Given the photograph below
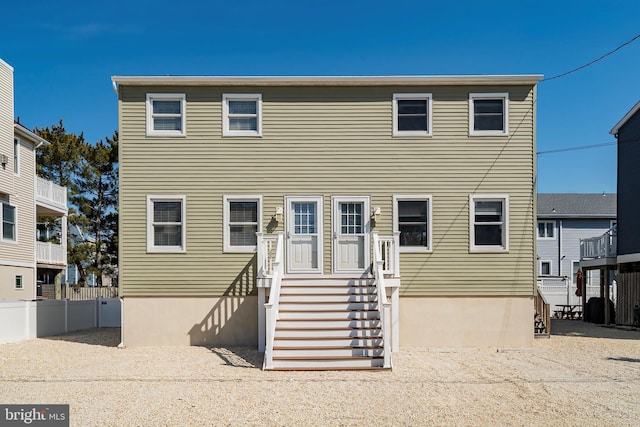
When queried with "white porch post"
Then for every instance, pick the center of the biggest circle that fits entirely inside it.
(261, 318)
(395, 319)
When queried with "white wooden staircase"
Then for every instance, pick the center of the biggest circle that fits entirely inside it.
(328, 324)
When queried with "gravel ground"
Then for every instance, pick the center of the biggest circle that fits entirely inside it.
(583, 375)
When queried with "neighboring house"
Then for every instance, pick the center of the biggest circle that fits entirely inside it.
(563, 220)
(318, 164)
(25, 197)
(621, 250)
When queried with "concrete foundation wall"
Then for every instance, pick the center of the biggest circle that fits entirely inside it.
(8, 291)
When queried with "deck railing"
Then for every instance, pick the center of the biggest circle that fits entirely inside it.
(50, 193)
(51, 253)
(390, 258)
(276, 271)
(383, 303)
(266, 254)
(544, 311)
(603, 246)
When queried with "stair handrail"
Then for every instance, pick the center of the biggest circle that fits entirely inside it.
(385, 313)
(543, 309)
(272, 307)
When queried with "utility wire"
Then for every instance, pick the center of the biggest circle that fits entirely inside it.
(592, 62)
(582, 147)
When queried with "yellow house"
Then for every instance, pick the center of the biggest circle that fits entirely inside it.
(327, 220)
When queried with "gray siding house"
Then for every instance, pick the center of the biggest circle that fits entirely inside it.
(563, 221)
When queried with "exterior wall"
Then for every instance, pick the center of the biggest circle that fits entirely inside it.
(326, 141)
(6, 124)
(502, 322)
(8, 279)
(190, 321)
(628, 178)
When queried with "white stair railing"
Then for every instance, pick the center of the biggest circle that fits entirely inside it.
(385, 312)
(272, 307)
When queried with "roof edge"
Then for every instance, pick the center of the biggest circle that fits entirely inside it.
(515, 79)
(27, 133)
(625, 119)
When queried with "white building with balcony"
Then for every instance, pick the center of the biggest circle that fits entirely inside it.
(24, 199)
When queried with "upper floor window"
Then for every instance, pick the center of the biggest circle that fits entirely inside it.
(16, 156)
(412, 218)
(489, 223)
(488, 114)
(546, 229)
(242, 219)
(241, 114)
(412, 114)
(166, 224)
(8, 222)
(166, 114)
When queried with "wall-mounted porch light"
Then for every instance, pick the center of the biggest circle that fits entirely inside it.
(278, 214)
(376, 213)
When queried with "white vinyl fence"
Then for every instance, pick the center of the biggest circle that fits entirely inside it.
(23, 320)
(559, 292)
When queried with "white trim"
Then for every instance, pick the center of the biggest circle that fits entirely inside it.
(504, 198)
(11, 263)
(151, 248)
(504, 96)
(183, 114)
(546, 221)
(419, 198)
(622, 259)
(511, 79)
(319, 231)
(335, 224)
(540, 274)
(428, 98)
(625, 119)
(225, 221)
(226, 97)
(572, 263)
(17, 143)
(2, 239)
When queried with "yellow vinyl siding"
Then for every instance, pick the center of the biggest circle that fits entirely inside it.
(329, 141)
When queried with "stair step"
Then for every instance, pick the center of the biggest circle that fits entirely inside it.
(305, 363)
(328, 352)
(296, 333)
(332, 290)
(321, 315)
(324, 298)
(312, 342)
(335, 306)
(328, 323)
(327, 282)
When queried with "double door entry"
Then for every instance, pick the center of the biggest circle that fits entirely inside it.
(306, 238)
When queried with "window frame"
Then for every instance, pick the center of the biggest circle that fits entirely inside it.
(151, 247)
(150, 116)
(226, 97)
(504, 96)
(226, 199)
(428, 98)
(543, 261)
(546, 222)
(15, 223)
(396, 220)
(473, 247)
(16, 155)
(20, 278)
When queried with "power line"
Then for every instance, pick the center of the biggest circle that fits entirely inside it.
(582, 147)
(592, 62)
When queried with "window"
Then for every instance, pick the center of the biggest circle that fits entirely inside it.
(19, 284)
(546, 229)
(488, 114)
(544, 269)
(16, 156)
(242, 115)
(412, 218)
(412, 114)
(8, 222)
(242, 220)
(166, 114)
(489, 223)
(575, 266)
(166, 224)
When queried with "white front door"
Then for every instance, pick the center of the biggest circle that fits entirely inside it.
(350, 234)
(304, 235)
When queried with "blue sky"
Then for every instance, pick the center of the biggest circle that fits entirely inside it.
(65, 52)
